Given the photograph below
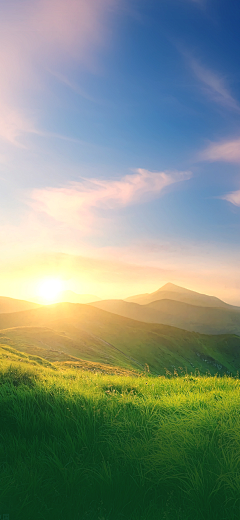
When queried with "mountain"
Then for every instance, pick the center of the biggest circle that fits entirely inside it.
(63, 331)
(13, 305)
(173, 292)
(72, 297)
(206, 320)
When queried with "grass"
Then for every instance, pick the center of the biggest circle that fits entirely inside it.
(87, 445)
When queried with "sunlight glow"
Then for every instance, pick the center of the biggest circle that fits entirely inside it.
(49, 289)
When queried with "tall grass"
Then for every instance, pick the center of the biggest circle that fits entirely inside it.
(79, 445)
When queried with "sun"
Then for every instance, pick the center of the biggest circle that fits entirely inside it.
(49, 289)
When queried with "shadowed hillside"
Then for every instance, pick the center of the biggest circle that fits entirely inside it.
(83, 331)
(207, 320)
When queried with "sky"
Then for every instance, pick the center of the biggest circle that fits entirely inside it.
(120, 146)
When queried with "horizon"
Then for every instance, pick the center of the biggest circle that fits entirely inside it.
(50, 297)
(119, 147)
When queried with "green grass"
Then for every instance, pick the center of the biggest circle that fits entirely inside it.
(83, 445)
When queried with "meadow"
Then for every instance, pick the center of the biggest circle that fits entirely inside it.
(95, 443)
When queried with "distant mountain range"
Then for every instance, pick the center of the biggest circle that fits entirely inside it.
(13, 305)
(169, 305)
(170, 291)
(207, 320)
(167, 329)
(179, 307)
(68, 331)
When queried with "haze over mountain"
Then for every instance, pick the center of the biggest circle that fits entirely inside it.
(13, 305)
(72, 297)
(170, 291)
(178, 307)
(66, 330)
(206, 320)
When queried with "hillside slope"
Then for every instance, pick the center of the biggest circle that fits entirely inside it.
(85, 332)
(13, 305)
(206, 320)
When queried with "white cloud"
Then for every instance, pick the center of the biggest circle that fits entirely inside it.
(213, 85)
(226, 151)
(76, 203)
(233, 197)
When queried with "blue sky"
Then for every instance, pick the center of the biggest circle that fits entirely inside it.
(120, 145)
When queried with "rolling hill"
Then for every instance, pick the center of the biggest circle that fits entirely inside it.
(85, 332)
(171, 291)
(13, 305)
(206, 320)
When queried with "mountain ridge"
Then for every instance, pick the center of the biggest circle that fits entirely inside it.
(86, 332)
(205, 320)
(8, 304)
(175, 292)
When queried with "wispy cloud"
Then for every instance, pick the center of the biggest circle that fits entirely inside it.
(76, 203)
(72, 86)
(13, 124)
(227, 151)
(233, 197)
(35, 37)
(213, 85)
(224, 151)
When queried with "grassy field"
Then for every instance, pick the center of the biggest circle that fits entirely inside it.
(81, 444)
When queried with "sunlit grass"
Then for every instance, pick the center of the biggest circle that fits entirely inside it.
(77, 444)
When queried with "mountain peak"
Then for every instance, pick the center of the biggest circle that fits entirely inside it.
(169, 286)
(171, 291)
(172, 287)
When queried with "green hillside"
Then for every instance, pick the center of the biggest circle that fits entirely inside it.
(207, 320)
(86, 332)
(85, 445)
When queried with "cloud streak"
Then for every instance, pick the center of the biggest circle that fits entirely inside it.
(36, 37)
(213, 85)
(226, 151)
(13, 124)
(77, 204)
(233, 197)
